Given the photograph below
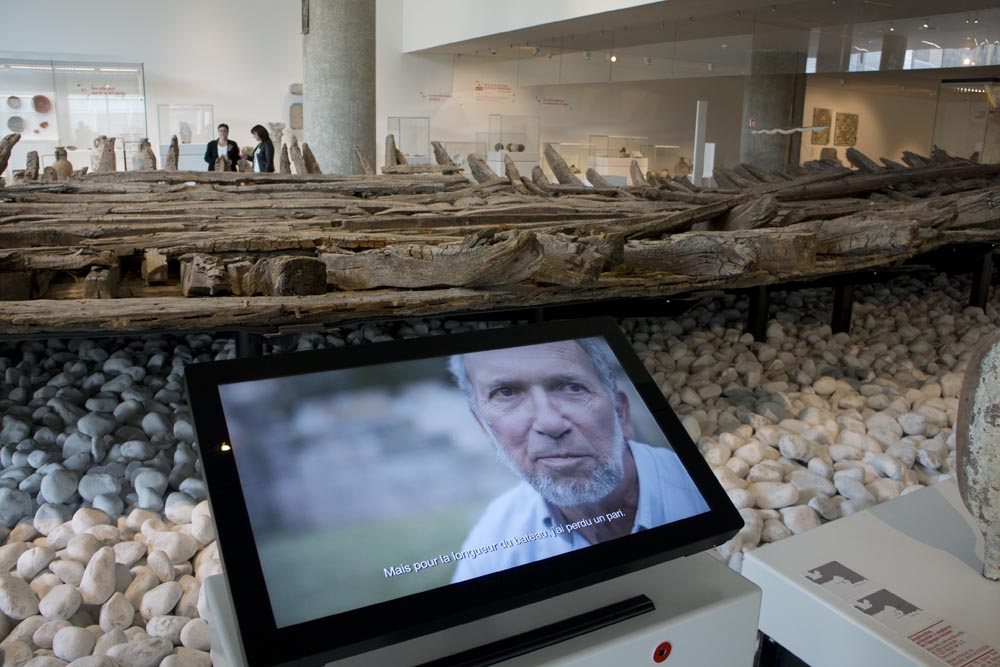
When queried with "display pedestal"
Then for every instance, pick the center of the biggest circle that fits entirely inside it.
(706, 612)
(616, 169)
(523, 161)
(898, 584)
(191, 157)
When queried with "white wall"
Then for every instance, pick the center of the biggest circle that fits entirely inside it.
(238, 55)
(435, 22)
(888, 122)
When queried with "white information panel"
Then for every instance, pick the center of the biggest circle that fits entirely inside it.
(898, 584)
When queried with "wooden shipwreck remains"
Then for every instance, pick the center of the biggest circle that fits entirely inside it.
(160, 250)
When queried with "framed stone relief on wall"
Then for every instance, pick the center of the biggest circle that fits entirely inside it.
(846, 133)
(821, 117)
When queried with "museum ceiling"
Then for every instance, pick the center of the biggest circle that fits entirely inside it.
(717, 37)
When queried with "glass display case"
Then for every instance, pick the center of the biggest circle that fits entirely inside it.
(192, 123)
(194, 126)
(575, 154)
(517, 136)
(666, 157)
(967, 123)
(611, 156)
(60, 103)
(413, 137)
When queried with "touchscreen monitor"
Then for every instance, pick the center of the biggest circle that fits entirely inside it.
(465, 474)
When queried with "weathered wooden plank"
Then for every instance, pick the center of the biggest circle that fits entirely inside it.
(480, 170)
(366, 167)
(596, 179)
(849, 236)
(514, 176)
(724, 253)
(204, 275)
(675, 222)
(154, 266)
(635, 174)
(6, 145)
(421, 169)
(441, 154)
(284, 162)
(277, 276)
(312, 165)
(101, 283)
(173, 155)
(559, 167)
(479, 261)
(391, 154)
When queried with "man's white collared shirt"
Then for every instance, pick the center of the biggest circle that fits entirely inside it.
(666, 494)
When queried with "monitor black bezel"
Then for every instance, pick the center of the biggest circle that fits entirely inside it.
(349, 633)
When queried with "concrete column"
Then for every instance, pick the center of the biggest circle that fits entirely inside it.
(893, 52)
(833, 53)
(774, 95)
(338, 65)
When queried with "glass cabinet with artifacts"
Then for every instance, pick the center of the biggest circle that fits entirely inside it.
(194, 127)
(967, 123)
(611, 156)
(516, 136)
(68, 104)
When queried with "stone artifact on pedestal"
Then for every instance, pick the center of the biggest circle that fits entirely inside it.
(296, 154)
(222, 163)
(295, 116)
(185, 132)
(103, 158)
(977, 445)
(276, 130)
(143, 159)
(173, 155)
(682, 168)
(31, 166)
(63, 167)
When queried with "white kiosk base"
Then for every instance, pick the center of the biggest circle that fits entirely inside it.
(705, 611)
(898, 584)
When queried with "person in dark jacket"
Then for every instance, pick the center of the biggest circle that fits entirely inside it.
(263, 154)
(223, 146)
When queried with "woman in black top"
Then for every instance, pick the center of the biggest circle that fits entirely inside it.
(232, 150)
(263, 154)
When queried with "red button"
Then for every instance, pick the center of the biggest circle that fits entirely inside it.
(662, 652)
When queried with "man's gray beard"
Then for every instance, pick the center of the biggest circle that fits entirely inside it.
(604, 479)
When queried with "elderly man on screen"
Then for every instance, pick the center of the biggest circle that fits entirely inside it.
(555, 415)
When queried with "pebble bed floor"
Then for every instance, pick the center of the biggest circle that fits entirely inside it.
(106, 536)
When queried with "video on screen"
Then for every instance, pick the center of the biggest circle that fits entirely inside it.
(369, 484)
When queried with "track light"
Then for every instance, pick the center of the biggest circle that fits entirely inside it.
(535, 51)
